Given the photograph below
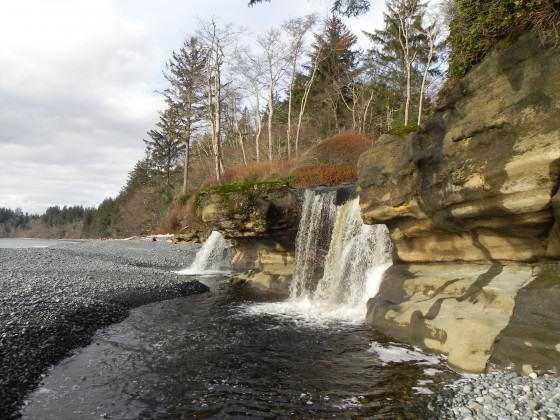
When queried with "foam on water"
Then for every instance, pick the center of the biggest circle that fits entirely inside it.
(213, 258)
(396, 354)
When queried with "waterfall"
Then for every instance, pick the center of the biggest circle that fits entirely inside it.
(358, 256)
(212, 258)
(334, 282)
(313, 238)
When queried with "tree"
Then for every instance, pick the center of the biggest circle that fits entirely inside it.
(163, 147)
(216, 41)
(303, 104)
(431, 35)
(250, 69)
(398, 49)
(296, 29)
(344, 7)
(273, 52)
(336, 65)
(185, 72)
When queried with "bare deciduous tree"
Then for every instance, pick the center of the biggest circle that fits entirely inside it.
(406, 13)
(306, 92)
(249, 68)
(216, 41)
(273, 51)
(431, 34)
(296, 29)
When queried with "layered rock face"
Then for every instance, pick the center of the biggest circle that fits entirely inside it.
(261, 220)
(471, 201)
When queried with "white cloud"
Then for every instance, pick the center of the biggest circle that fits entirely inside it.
(78, 82)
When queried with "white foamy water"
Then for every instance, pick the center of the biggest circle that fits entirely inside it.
(212, 258)
(396, 354)
(357, 257)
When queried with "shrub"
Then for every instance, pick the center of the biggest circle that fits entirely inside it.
(327, 175)
(178, 217)
(403, 130)
(254, 172)
(477, 25)
(342, 149)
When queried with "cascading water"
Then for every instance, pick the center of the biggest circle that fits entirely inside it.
(358, 256)
(212, 258)
(312, 243)
(352, 268)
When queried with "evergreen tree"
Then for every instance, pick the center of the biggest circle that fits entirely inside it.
(163, 146)
(185, 96)
(336, 68)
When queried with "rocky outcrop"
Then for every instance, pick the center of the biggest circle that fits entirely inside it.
(264, 262)
(471, 202)
(261, 220)
(477, 181)
(457, 309)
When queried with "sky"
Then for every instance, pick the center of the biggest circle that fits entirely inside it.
(79, 82)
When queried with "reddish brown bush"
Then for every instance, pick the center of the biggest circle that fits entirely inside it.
(257, 171)
(331, 175)
(172, 220)
(178, 217)
(342, 149)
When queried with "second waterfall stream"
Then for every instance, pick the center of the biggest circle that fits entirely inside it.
(339, 264)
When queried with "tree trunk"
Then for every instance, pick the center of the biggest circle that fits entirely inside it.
(408, 92)
(425, 78)
(290, 98)
(259, 125)
(270, 114)
(304, 101)
(186, 165)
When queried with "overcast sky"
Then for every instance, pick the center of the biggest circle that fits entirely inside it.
(78, 81)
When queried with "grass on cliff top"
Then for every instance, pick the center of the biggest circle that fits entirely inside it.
(403, 130)
(246, 186)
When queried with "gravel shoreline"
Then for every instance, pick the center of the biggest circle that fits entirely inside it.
(52, 300)
(501, 395)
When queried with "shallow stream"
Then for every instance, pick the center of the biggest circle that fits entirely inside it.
(221, 354)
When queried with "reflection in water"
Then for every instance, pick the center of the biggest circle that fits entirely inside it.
(204, 356)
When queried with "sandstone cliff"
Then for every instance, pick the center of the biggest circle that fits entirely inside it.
(471, 201)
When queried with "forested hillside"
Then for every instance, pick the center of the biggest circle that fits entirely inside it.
(249, 107)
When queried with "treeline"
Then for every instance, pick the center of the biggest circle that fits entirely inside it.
(11, 221)
(229, 104)
(71, 222)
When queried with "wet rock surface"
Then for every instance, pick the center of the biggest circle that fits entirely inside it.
(501, 395)
(52, 300)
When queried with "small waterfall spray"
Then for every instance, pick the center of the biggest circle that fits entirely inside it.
(212, 258)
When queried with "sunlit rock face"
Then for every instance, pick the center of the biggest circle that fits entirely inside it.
(471, 201)
(477, 181)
